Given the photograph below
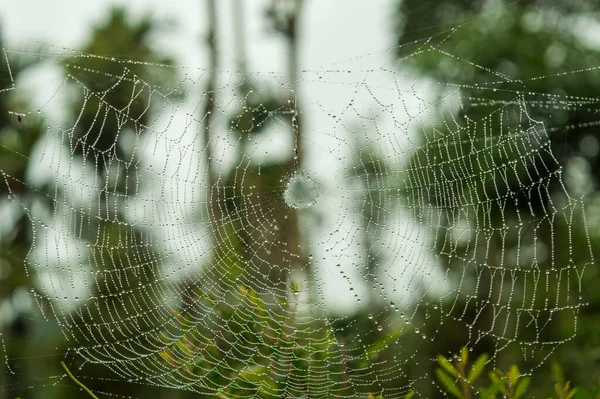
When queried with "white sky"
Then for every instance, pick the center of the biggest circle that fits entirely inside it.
(335, 35)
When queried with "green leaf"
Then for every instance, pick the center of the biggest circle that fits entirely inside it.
(499, 380)
(521, 387)
(558, 373)
(558, 389)
(464, 356)
(449, 383)
(381, 344)
(295, 286)
(477, 368)
(253, 374)
(513, 375)
(184, 348)
(495, 378)
(489, 392)
(446, 365)
(410, 394)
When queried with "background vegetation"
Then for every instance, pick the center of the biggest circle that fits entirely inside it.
(518, 41)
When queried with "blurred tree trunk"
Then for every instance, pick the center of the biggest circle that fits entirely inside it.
(286, 22)
(253, 217)
(207, 118)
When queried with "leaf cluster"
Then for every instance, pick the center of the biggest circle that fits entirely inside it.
(462, 381)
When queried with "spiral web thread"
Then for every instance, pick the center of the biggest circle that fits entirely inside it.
(163, 275)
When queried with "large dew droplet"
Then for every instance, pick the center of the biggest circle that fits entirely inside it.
(301, 191)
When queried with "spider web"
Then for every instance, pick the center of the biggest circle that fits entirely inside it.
(315, 259)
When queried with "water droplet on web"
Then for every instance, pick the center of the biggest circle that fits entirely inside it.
(301, 191)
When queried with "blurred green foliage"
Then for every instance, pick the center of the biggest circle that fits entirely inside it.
(20, 130)
(455, 379)
(260, 349)
(507, 59)
(125, 80)
(512, 384)
(516, 85)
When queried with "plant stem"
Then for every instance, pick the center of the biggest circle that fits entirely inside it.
(71, 376)
(464, 382)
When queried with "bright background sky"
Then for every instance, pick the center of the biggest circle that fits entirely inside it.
(334, 36)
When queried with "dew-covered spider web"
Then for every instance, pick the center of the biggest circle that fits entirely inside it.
(325, 236)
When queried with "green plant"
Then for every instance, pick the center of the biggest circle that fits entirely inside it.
(462, 384)
(512, 384)
(564, 391)
(258, 347)
(71, 376)
(563, 388)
